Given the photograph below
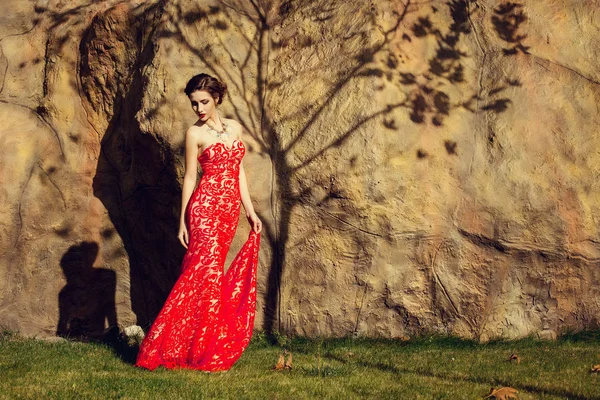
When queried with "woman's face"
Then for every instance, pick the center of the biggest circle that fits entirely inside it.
(203, 104)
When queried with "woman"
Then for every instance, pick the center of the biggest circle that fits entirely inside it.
(206, 322)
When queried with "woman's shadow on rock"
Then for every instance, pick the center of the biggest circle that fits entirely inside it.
(87, 310)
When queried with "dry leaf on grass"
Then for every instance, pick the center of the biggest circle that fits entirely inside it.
(514, 357)
(503, 393)
(595, 368)
(282, 363)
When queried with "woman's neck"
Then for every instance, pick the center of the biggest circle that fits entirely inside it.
(215, 121)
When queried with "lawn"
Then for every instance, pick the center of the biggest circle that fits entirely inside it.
(421, 368)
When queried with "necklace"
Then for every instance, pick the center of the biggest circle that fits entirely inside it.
(222, 134)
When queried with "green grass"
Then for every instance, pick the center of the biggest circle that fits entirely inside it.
(422, 368)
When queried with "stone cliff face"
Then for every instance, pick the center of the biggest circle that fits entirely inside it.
(419, 166)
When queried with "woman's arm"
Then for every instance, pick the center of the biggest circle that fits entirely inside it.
(189, 179)
(245, 194)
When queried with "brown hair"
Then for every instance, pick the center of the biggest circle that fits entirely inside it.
(216, 88)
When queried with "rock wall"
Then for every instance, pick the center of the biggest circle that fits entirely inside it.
(419, 166)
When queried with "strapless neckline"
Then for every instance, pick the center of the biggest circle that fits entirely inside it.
(216, 143)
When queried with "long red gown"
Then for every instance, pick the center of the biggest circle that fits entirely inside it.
(207, 320)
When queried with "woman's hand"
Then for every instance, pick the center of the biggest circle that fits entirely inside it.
(254, 221)
(183, 235)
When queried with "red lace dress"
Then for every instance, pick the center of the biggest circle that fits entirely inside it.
(207, 320)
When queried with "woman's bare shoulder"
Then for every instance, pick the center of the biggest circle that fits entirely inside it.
(196, 132)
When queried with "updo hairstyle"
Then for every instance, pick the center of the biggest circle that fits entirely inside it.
(216, 88)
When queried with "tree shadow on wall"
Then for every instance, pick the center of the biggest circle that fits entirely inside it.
(423, 93)
(87, 302)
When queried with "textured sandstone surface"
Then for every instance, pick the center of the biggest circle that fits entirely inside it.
(419, 166)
